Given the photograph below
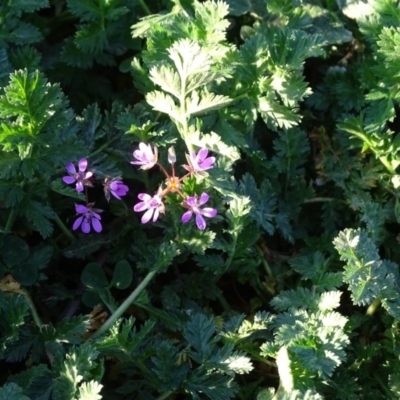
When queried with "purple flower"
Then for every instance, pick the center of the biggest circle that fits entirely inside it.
(116, 187)
(153, 205)
(88, 218)
(81, 177)
(193, 204)
(147, 159)
(198, 163)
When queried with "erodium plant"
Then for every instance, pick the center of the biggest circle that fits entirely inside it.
(199, 199)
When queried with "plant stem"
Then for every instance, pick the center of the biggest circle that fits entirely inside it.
(224, 303)
(124, 306)
(373, 307)
(34, 313)
(10, 221)
(104, 146)
(264, 261)
(66, 231)
(144, 7)
(164, 396)
(384, 387)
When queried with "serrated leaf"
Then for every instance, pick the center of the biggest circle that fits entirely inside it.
(90, 391)
(39, 215)
(200, 332)
(84, 246)
(240, 7)
(31, 100)
(164, 103)
(165, 77)
(60, 187)
(12, 391)
(199, 103)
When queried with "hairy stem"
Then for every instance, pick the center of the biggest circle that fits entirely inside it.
(373, 307)
(62, 226)
(164, 396)
(144, 7)
(10, 221)
(124, 306)
(34, 313)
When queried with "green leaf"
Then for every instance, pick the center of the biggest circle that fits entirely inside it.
(12, 391)
(14, 251)
(84, 246)
(27, 6)
(93, 276)
(39, 215)
(122, 338)
(240, 7)
(122, 275)
(201, 102)
(200, 332)
(31, 100)
(60, 187)
(364, 271)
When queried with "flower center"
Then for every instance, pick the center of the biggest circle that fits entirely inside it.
(173, 184)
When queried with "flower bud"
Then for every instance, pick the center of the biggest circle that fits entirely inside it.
(171, 155)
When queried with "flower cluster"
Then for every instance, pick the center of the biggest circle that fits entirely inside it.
(89, 217)
(199, 163)
(146, 157)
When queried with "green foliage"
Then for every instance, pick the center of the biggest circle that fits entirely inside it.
(279, 296)
(368, 276)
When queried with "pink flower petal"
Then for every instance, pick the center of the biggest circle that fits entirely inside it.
(200, 222)
(201, 155)
(82, 164)
(156, 214)
(144, 196)
(68, 179)
(71, 168)
(186, 216)
(203, 199)
(80, 209)
(142, 206)
(96, 225)
(77, 223)
(191, 201)
(79, 186)
(207, 163)
(209, 212)
(85, 226)
(147, 216)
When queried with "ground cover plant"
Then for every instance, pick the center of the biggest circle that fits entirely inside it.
(199, 199)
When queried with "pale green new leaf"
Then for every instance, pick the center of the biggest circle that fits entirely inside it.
(199, 103)
(163, 102)
(90, 391)
(238, 363)
(329, 300)
(211, 17)
(190, 59)
(213, 142)
(165, 77)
